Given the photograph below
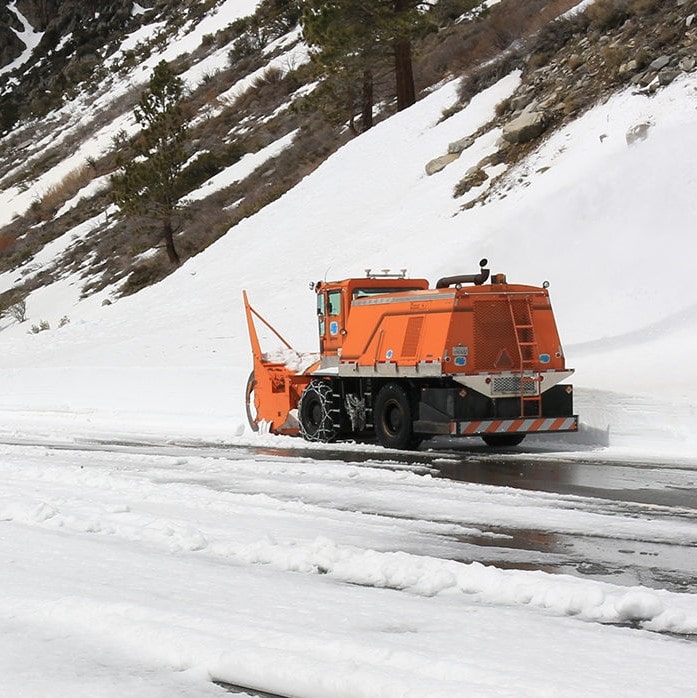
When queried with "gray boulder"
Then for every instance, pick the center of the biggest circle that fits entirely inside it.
(631, 66)
(667, 75)
(526, 127)
(440, 163)
(521, 101)
(462, 144)
(660, 63)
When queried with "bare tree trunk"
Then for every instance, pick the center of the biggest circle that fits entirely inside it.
(404, 75)
(367, 100)
(6, 241)
(168, 234)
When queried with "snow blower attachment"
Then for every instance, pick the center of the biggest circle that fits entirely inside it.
(405, 362)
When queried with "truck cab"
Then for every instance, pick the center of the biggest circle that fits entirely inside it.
(334, 300)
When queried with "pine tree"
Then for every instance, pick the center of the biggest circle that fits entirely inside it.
(151, 163)
(354, 37)
(345, 52)
(280, 16)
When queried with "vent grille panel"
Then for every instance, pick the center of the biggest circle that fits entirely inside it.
(494, 336)
(412, 335)
(510, 385)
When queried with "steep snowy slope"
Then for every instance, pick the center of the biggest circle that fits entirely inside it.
(608, 224)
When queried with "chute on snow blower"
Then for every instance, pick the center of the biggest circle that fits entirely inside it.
(402, 362)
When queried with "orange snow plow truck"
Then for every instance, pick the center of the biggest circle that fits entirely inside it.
(404, 362)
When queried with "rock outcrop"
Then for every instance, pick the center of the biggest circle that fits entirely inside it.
(526, 127)
(440, 163)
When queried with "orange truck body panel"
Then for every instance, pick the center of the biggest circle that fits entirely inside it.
(429, 326)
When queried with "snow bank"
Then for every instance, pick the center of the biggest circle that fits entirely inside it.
(559, 594)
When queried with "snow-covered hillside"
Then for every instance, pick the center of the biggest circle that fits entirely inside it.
(607, 223)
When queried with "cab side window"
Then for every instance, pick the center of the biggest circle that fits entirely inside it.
(334, 303)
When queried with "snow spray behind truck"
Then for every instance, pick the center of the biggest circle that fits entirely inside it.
(404, 362)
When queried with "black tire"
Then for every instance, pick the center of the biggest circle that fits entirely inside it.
(315, 412)
(502, 440)
(249, 403)
(392, 413)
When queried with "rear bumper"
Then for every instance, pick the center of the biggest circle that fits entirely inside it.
(447, 411)
(480, 427)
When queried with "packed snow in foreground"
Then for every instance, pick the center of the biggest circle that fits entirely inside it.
(156, 575)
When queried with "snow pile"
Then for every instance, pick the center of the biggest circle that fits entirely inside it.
(565, 596)
(276, 515)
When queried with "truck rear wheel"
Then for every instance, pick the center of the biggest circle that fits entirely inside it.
(315, 412)
(393, 418)
(500, 440)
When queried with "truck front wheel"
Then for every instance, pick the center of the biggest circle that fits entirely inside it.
(250, 403)
(392, 413)
(315, 412)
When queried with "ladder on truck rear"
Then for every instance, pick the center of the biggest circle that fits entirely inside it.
(526, 344)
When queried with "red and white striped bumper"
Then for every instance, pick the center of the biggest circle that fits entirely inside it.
(527, 425)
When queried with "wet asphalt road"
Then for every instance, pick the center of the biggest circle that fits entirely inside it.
(656, 490)
(659, 490)
(666, 484)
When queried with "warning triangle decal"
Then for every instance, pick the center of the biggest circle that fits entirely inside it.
(503, 360)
